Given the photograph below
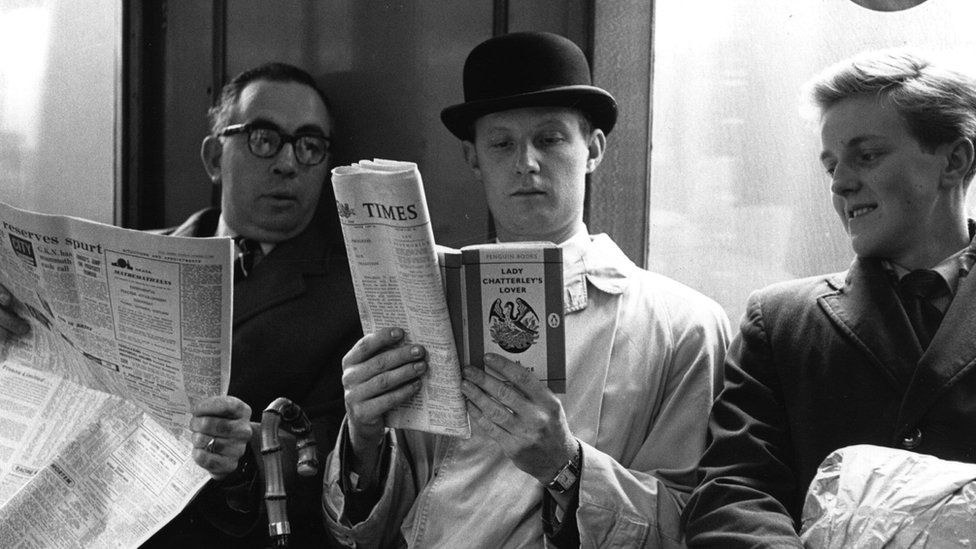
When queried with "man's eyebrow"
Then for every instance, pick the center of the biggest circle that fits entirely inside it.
(554, 122)
(857, 141)
(263, 123)
(495, 131)
(496, 125)
(852, 143)
(311, 128)
(303, 129)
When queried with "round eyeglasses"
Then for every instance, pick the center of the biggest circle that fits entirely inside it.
(266, 142)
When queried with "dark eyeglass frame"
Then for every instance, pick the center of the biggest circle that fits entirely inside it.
(249, 128)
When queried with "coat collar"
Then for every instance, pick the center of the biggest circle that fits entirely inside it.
(200, 224)
(595, 259)
(864, 306)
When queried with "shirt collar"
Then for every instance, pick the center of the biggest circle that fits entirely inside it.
(968, 256)
(595, 259)
(951, 268)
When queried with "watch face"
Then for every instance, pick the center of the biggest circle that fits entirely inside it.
(567, 477)
(565, 480)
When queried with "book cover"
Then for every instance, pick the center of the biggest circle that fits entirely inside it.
(513, 307)
(449, 261)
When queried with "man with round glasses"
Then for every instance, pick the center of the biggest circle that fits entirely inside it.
(295, 313)
(268, 150)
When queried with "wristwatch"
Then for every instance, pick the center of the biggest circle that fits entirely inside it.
(568, 476)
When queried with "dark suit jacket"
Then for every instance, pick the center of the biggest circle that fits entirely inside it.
(295, 316)
(820, 364)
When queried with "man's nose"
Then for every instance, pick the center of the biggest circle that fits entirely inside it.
(844, 180)
(526, 159)
(284, 162)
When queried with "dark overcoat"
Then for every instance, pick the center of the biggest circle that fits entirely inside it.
(295, 317)
(822, 363)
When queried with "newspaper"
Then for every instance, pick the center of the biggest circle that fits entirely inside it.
(128, 330)
(390, 245)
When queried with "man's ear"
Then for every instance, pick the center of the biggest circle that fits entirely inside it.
(595, 149)
(471, 157)
(959, 159)
(210, 151)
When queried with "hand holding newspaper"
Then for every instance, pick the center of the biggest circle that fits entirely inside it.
(128, 330)
(390, 244)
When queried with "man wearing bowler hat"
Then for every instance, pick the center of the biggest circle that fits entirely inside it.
(610, 461)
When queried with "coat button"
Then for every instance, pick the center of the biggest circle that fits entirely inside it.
(912, 439)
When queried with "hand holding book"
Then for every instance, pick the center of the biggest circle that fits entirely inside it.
(521, 414)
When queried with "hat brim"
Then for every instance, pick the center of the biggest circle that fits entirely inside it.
(599, 106)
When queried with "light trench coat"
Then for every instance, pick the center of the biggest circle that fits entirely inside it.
(644, 356)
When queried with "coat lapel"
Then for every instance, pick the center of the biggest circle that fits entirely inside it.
(280, 276)
(866, 309)
(951, 354)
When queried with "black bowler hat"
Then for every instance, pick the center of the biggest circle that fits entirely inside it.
(528, 69)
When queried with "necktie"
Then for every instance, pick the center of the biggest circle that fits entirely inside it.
(248, 254)
(917, 290)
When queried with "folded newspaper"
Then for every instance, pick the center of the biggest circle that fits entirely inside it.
(128, 330)
(390, 245)
(458, 304)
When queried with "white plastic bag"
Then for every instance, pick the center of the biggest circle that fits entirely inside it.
(873, 497)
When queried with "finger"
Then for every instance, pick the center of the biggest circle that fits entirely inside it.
(209, 426)
(521, 377)
(482, 426)
(502, 391)
(372, 410)
(218, 465)
(489, 409)
(371, 344)
(211, 445)
(222, 407)
(219, 445)
(356, 373)
(384, 382)
(200, 440)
